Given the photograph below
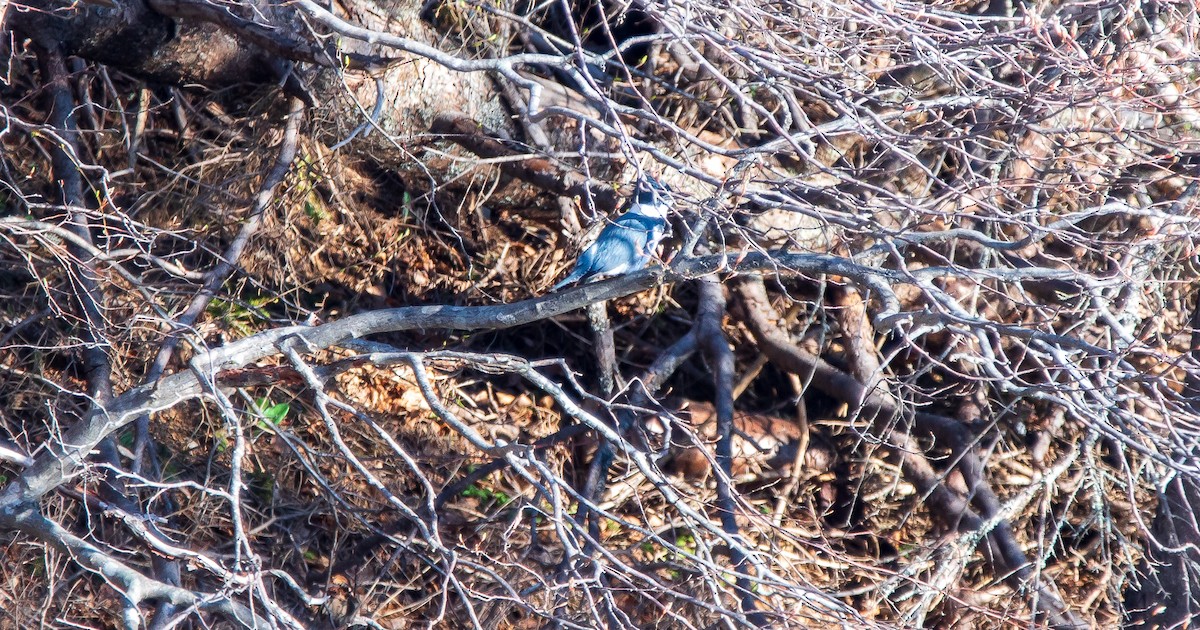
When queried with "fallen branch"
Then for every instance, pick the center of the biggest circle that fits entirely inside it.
(52, 468)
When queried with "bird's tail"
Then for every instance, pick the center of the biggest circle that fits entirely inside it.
(575, 275)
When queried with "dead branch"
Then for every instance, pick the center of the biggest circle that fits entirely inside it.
(709, 316)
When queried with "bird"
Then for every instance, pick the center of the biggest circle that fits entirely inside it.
(627, 243)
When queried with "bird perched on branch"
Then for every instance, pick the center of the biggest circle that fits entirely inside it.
(627, 243)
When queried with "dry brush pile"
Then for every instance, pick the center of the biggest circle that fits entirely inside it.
(276, 350)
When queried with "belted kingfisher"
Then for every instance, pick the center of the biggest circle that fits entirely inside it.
(627, 243)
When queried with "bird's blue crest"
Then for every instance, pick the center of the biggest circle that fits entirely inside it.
(652, 191)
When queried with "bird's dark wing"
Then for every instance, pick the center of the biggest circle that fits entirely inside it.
(618, 249)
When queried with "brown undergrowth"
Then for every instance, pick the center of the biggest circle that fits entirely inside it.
(369, 498)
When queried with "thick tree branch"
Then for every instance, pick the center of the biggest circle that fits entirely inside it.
(710, 316)
(51, 470)
(64, 159)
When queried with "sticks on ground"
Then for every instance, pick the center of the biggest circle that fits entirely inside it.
(952, 507)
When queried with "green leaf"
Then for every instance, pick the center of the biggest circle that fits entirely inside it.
(276, 413)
